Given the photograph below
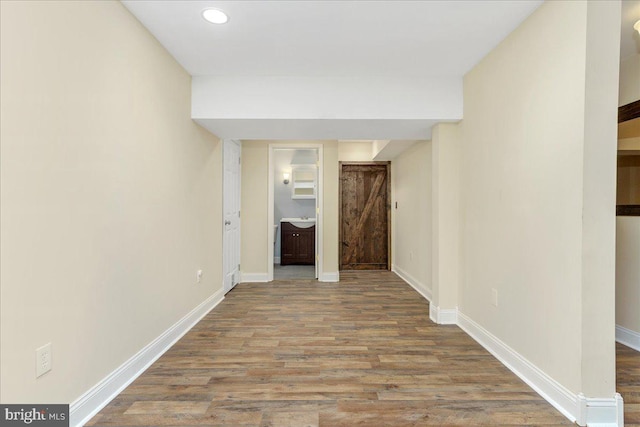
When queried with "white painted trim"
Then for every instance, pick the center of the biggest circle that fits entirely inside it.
(600, 412)
(443, 316)
(98, 396)
(447, 316)
(332, 276)
(319, 205)
(255, 277)
(276, 260)
(433, 315)
(320, 216)
(270, 216)
(596, 412)
(553, 392)
(415, 284)
(628, 337)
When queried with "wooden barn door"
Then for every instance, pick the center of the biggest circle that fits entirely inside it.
(364, 216)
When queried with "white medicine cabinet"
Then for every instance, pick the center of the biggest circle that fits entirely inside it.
(303, 178)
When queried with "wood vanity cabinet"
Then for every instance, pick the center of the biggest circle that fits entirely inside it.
(298, 245)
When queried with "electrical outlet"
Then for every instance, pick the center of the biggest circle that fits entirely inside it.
(43, 360)
(494, 297)
(199, 276)
(411, 255)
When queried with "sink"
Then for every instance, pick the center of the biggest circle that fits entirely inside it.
(299, 222)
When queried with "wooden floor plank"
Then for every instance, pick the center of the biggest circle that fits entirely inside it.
(628, 383)
(361, 352)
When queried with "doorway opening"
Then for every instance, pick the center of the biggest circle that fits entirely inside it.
(627, 253)
(365, 215)
(295, 220)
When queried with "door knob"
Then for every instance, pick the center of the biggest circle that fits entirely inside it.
(227, 222)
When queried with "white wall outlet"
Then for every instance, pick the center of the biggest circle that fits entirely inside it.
(43, 360)
(411, 255)
(494, 297)
(198, 276)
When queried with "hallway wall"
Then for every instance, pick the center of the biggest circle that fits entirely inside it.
(355, 151)
(110, 195)
(538, 193)
(411, 230)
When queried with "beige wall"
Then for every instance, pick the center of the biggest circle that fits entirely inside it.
(331, 207)
(255, 200)
(253, 206)
(355, 151)
(525, 162)
(446, 215)
(110, 197)
(411, 230)
(599, 198)
(628, 272)
(629, 90)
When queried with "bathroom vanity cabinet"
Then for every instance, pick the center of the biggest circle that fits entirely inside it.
(298, 245)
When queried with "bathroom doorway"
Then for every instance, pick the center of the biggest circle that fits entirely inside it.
(294, 206)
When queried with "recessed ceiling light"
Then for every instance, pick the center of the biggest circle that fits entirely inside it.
(215, 16)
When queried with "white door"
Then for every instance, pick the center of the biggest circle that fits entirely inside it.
(231, 214)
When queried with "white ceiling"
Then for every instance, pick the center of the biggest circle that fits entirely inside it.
(332, 38)
(629, 38)
(391, 39)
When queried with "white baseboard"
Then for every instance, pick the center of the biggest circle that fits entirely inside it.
(96, 398)
(562, 399)
(421, 288)
(253, 277)
(329, 276)
(628, 337)
(276, 260)
(433, 315)
(438, 315)
(443, 316)
(576, 407)
(600, 412)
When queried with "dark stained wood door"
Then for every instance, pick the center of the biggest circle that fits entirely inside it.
(364, 216)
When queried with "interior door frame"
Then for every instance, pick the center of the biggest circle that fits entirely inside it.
(319, 205)
(225, 188)
(388, 189)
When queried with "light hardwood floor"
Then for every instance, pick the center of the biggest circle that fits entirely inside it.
(361, 352)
